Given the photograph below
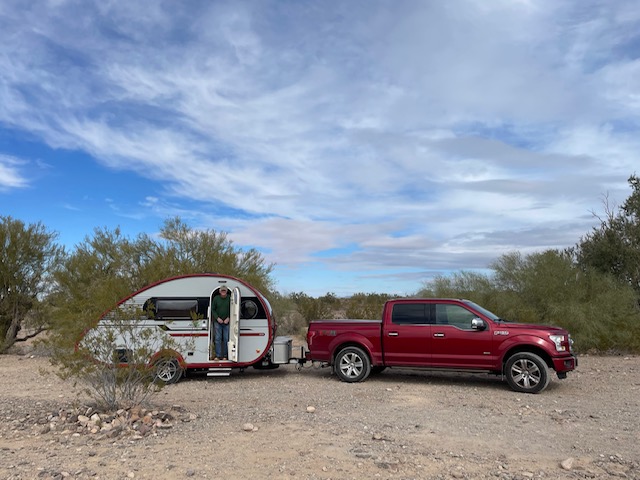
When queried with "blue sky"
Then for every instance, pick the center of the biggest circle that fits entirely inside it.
(361, 146)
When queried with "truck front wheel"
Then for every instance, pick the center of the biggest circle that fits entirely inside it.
(527, 372)
(352, 364)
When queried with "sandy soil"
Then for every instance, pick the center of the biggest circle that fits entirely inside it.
(400, 425)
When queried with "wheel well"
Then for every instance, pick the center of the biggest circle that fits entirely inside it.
(168, 353)
(528, 349)
(349, 344)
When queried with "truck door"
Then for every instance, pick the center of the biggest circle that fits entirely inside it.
(407, 334)
(234, 325)
(456, 343)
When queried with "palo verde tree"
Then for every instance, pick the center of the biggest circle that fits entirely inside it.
(614, 246)
(108, 266)
(28, 256)
(102, 269)
(183, 250)
(549, 287)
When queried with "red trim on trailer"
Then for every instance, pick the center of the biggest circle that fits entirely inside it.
(168, 353)
(206, 334)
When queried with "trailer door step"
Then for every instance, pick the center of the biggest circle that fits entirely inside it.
(219, 372)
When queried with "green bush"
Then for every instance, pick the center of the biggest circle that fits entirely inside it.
(116, 361)
(366, 305)
(600, 311)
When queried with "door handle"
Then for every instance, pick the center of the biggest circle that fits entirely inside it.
(438, 334)
(393, 334)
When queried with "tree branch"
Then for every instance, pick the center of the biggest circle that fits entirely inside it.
(31, 335)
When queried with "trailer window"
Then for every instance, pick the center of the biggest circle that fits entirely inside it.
(248, 309)
(122, 354)
(172, 308)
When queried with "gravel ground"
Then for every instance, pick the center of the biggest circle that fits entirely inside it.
(400, 424)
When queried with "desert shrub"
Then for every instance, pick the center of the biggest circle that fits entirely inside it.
(600, 311)
(294, 311)
(312, 308)
(366, 305)
(292, 323)
(117, 362)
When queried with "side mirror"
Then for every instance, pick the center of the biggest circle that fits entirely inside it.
(478, 324)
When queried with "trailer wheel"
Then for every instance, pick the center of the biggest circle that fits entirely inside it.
(167, 370)
(352, 365)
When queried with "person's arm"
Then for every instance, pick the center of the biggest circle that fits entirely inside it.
(228, 305)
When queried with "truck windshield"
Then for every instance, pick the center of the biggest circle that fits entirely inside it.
(482, 310)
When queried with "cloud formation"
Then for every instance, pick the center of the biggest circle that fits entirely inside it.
(11, 175)
(383, 139)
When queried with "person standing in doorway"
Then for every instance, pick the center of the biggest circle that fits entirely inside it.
(220, 312)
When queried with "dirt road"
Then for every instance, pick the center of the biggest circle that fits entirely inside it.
(398, 425)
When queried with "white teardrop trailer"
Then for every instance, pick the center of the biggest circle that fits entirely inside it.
(180, 308)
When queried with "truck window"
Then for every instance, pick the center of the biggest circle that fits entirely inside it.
(447, 314)
(410, 314)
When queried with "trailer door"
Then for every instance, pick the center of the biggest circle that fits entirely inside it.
(234, 325)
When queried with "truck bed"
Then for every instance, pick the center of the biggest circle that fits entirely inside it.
(327, 333)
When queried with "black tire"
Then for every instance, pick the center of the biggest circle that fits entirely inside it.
(527, 372)
(167, 370)
(377, 369)
(352, 364)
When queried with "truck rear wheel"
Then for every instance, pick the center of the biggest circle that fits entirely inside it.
(352, 365)
(527, 372)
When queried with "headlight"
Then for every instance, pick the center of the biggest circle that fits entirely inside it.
(558, 340)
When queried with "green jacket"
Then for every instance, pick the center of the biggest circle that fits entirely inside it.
(221, 307)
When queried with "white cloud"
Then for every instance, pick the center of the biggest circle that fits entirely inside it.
(413, 133)
(11, 173)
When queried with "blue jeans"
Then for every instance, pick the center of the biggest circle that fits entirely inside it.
(222, 338)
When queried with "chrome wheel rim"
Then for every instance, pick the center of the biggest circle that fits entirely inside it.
(166, 370)
(351, 365)
(526, 373)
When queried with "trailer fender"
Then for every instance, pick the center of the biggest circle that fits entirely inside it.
(167, 353)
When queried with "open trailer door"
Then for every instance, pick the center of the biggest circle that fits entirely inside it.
(234, 325)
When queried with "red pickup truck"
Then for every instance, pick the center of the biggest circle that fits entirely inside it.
(446, 334)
